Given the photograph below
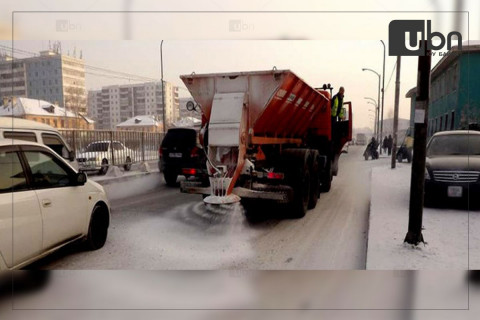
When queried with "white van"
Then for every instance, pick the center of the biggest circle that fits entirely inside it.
(27, 130)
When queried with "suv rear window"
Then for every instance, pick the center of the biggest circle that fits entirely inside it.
(180, 137)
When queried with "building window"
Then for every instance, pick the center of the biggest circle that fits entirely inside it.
(446, 121)
(452, 121)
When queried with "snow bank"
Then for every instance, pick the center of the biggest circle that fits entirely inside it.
(446, 230)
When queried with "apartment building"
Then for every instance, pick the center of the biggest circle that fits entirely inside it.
(114, 104)
(50, 76)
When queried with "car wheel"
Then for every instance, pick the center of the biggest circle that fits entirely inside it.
(170, 178)
(128, 164)
(104, 168)
(98, 228)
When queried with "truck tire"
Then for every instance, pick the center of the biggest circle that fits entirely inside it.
(314, 178)
(297, 164)
(327, 177)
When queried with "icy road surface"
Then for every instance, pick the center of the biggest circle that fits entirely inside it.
(165, 229)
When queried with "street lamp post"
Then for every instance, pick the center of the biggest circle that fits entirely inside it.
(374, 103)
(378, 99)
(383, 89)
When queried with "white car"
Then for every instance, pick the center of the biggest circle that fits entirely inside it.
(45, 204)
(99, 155)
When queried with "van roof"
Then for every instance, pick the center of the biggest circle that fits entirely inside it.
(15, 142)
(17, 123)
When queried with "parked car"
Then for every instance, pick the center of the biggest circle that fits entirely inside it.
(453, 167)
(97, 156)
(182, 154)
(27, 130)
(45, 204)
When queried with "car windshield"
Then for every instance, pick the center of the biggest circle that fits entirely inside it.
(180, 137)
(453, 145)
(97, 147)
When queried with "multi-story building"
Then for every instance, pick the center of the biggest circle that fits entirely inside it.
(454, 95)
(115, 104)
(12, 78)
(50, 76)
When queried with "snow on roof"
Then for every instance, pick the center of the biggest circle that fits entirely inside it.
(139, 121)
(188, 122)
(26, 106)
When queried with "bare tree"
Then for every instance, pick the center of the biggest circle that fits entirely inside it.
(75, 101)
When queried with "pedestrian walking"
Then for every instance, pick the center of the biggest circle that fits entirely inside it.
(385, 144)
(390, 144)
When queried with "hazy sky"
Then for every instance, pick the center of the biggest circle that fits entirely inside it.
(337, 62)
(340, 44)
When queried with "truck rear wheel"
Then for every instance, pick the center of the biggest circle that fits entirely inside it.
(315, 179)
(297, 165)
(327, 177)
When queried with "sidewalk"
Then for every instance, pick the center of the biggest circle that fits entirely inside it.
(446, 230)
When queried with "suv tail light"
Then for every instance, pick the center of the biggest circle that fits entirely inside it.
(189, 171)
(160, 152)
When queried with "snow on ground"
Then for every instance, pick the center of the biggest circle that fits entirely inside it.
(445, 230)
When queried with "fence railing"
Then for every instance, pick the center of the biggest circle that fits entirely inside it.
(95, 147)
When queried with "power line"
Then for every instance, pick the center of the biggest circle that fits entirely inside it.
(107, 72)
(391, 75)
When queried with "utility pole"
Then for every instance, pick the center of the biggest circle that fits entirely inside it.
(417, 183)
(395, 113)
(383, 94)
(163, 89)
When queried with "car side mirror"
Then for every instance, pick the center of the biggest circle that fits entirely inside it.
(71, 155)
(81, 178)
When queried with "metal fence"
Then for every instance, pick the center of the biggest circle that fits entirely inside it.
(95, 148)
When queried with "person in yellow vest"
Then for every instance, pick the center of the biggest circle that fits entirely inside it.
(337, 104)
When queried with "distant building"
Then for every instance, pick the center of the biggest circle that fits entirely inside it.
(49, 76)
(184, 113)
(454, 95)
(117, 103)
(45, 112)
(141, 123)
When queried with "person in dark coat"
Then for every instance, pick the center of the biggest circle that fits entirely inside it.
(385, 144)
(390, 144)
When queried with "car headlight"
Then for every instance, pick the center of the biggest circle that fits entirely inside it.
(427, 175)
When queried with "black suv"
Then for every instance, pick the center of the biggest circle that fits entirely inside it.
(181, 154)
(453, 167)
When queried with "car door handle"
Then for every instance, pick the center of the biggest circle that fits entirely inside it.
(46, 203)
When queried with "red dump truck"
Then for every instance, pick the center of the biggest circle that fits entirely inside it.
(268, 136)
